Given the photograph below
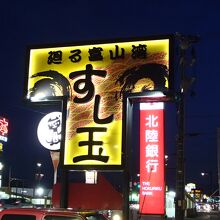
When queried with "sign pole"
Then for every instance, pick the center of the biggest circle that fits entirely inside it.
(180, 167)
(64, 172)
(127, 144)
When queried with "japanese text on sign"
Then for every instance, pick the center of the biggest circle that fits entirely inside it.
(94, 77)
(151, 158)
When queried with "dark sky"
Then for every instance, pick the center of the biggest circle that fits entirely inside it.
(25, 23)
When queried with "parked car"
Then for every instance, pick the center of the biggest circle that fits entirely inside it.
(15, 203)
(48, 214)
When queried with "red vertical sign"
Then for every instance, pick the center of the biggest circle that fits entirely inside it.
(152, 184)
(3, 129)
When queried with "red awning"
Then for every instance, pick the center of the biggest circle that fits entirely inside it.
(100, 196)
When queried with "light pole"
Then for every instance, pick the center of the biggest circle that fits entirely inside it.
(209, 174)
(38, 176)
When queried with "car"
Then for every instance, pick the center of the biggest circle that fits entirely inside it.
(15, 203)
(49, 214)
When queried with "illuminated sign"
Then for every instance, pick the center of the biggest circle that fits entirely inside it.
(91, 177)
(152, 183)
(94, 78)
(3, 129)
(49, 131)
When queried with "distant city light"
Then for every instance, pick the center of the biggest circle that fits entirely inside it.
(171, 193)
(116, 217)
(1, 165)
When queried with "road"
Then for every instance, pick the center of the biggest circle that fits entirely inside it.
(209, 216)
(201, 216)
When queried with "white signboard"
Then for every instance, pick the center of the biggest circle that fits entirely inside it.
(49, 130)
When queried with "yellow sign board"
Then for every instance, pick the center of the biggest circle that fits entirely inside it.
(94, 77)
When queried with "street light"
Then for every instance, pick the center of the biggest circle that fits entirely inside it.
(40, 191)
(38, 177)
(39, 165)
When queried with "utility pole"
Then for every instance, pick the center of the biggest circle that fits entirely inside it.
(185, 42)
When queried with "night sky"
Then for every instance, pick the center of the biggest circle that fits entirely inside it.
(27, 23)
